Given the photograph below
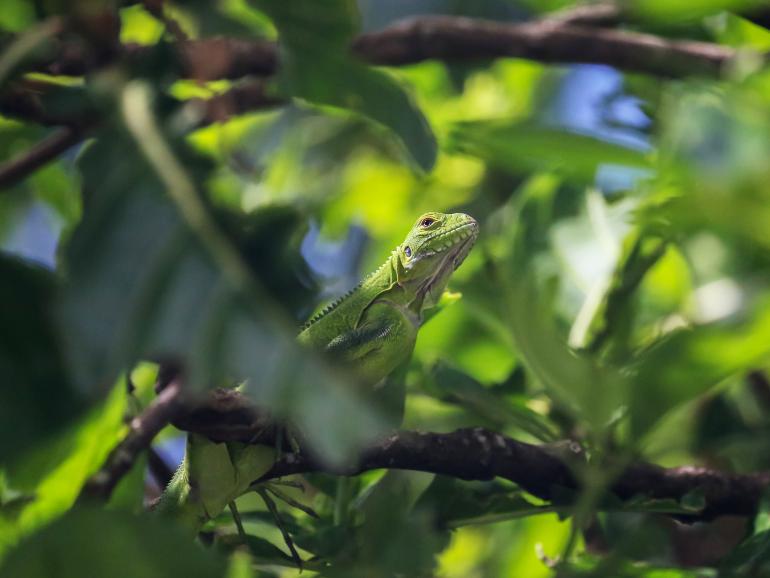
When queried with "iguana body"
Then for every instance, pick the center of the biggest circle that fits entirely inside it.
(373, 328)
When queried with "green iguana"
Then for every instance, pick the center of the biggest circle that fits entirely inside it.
(373, 328)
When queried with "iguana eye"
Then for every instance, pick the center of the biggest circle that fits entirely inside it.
(408, 251)
(427, 222)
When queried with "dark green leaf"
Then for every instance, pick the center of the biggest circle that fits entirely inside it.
(456, 503)
(263, 551)
(751, 558)
(317, 67)
(99, 543)
(450, 384)
(36, 396)
(142, 285)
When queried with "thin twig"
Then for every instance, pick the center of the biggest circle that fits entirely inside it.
(278, 522)
(290, 501)
(40, 154)
(238, 522)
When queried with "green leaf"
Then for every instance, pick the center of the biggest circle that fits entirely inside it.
(37, 398)
(593, 566)
(261, 550)
(750, 558)
(525, 277)
(525, 147)
(689, 9)
(55, 473)
(116, 545)
(17, 15)
(389, 504)
(450, 384)
(688, 362)
(612, 324)
(455, 503)
(241, 566)
(317, 67)
(143, 285)
(691, 503)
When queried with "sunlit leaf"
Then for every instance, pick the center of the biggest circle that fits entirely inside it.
(54, 473)
(525, 276)
(688, 9)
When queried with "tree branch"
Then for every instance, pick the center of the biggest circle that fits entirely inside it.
(557, 39)
(455, 38)
(567, 38)
(27, 105)
(479, 454)
(40, 154)
(143, 428)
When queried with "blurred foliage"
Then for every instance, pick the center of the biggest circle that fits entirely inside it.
(618, 295)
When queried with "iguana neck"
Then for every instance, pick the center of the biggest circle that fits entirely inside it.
(403, 291)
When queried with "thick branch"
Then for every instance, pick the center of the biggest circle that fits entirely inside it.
(143, 429)
(454, 38)
(468, 454)
(570, 39)
(478, 454)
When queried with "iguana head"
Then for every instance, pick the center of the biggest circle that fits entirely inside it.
(433, 249)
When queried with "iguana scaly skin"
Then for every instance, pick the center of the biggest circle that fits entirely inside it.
(373, 328)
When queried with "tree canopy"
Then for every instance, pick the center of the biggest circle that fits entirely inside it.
(183, 183)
